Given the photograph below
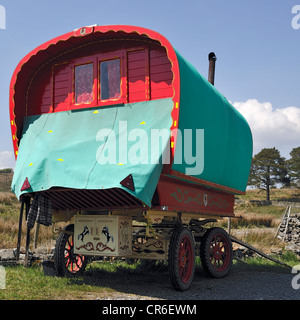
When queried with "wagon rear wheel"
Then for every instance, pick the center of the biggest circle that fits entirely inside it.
(66, 262)
(216, 252)
(181, 259)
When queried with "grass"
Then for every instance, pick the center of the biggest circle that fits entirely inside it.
(251, 220)
(264, 240)
(99, 279)
(104, 278)
(275, 211)
(287, 257)
(30, 284)
(9, 223)
(283, 194)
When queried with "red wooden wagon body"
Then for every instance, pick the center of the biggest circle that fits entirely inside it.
(114, 71)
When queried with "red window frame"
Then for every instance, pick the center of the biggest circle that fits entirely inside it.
(96, 60)
(73, 65)
(121, 55)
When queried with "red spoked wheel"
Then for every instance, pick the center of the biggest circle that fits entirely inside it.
(216, 252)
(181, 259)
(66, 262)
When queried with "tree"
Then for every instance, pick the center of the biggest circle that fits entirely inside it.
(8, 170)
(268, 169)
(293, 165)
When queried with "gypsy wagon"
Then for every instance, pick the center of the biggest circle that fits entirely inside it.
(115, 132)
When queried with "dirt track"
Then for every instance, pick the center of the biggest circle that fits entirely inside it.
(241, 284)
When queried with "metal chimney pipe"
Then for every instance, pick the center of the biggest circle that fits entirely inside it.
(211, 70)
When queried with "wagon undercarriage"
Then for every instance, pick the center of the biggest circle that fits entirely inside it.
(137, 233)
(116, 235)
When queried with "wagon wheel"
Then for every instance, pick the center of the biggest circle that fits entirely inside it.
(66, 262)
(181, 259)
(216, 252)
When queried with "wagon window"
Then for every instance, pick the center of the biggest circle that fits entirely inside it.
(84, 83)
(110, 79)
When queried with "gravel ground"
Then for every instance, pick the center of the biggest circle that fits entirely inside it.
(241, 284)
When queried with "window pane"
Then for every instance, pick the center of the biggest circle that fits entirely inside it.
(84, 83)
(110, 79)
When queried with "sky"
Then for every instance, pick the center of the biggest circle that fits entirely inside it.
(257, 44)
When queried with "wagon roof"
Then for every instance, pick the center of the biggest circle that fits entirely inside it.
(51, 49)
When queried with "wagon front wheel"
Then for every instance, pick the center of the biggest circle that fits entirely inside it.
(216, 252)
(66, 262)
(181, 259)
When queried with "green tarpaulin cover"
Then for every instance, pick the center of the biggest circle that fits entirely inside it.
(227, 151)
(95, 148)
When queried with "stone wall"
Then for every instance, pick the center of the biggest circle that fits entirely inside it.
(289, 232)
(8, 256)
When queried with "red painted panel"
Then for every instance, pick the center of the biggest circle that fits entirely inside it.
(181, 196)
(161, 75)
(158, 52)
(39, 94)
(138, 96)
(60, 87)
(162, 93)
(61, 84)
(141, 72)
(60, 77)
(137, 80)
(136, 55)
(160, 68)
(162, 85)
(155, 61)
(47, 93)
(137, 87)
(146, 79)
(137, 75)
(139, 64)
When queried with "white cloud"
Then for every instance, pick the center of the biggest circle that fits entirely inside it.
(7, 159)
(279, 128)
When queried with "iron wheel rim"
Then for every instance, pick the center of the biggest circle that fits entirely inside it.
(73, 262)
(185, 259)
